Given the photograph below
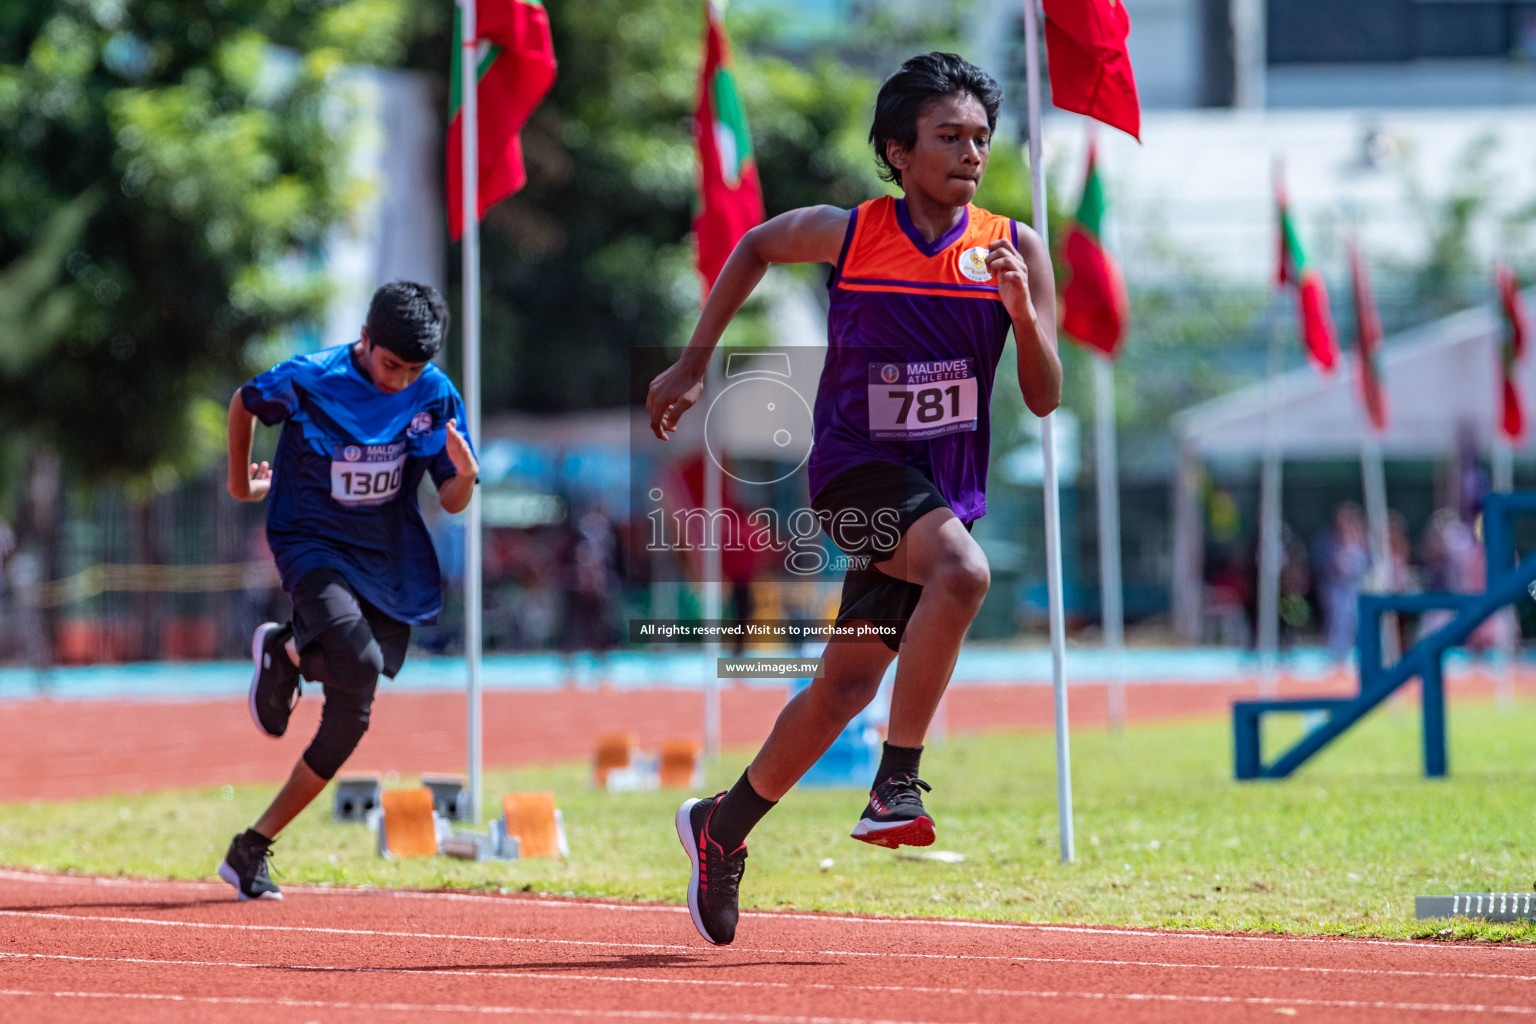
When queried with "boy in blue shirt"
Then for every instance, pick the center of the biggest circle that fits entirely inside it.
(362, 424)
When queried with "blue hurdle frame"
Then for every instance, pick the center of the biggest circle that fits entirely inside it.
(1508, 582)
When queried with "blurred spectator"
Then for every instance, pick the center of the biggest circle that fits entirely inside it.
(590, 580)
(1230, 595)
(1399, 577)
(1343, 559)
(1453, 563)
(1448, 549)
(1295, 584)
(7, 546)
(24, 586)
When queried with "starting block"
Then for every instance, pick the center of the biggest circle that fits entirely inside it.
(1484, 906)
(619, 767)
(409, 827)
(450, 795)
(357, 796)
(681, 767)
(534, 822)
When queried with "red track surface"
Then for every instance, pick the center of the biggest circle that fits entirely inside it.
(93, 748)
(76, 950)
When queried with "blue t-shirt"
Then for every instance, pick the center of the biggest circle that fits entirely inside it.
(349, 463)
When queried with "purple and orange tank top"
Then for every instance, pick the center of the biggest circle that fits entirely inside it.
(914, 334)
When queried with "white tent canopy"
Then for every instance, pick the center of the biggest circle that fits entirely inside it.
(1439, 379)
(1441, 382)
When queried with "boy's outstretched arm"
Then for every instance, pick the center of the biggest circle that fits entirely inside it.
(812, 234)
(248, 481)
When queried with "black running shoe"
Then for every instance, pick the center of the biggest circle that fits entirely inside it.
(245, 867)
(713, 888)
(895, 816)
(275, 684)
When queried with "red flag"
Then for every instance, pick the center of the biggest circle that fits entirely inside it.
(1368, 338)
(1517, 327)
(1089, 66)
(1315, 322)
(1094, 307)
(730, 196)
(516, 70)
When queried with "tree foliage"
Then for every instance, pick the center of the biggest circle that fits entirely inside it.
(594, 256)
(165, 168)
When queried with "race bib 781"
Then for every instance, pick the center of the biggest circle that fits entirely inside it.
(366, 474)
(917, 401)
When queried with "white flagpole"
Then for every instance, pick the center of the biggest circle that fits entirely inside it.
(1271, 547)
(1048, 443)
(469, 66)
(1111, 598)
(1374, 480)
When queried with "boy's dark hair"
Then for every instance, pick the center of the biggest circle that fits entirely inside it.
(409, 319)
(916, 84)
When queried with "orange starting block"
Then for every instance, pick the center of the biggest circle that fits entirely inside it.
(681, 767)
(409, 827)
(616, 753)
(536, 823)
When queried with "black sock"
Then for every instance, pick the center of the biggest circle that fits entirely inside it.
(898, 761)
(252, 834)
(737, 813)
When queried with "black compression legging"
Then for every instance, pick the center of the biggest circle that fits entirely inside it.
(347, 661)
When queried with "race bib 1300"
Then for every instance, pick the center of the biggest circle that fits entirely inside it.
(917, 401)
(366, 474)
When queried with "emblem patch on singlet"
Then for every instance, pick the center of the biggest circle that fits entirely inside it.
(973, 264)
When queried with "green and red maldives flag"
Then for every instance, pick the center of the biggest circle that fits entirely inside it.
(1094, 307)
(1368, 338)
(516, 68)
(1517, 328)
(1314, 321)
(730, 195)
(1090, 67)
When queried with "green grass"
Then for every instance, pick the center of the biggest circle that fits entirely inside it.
(1165, 838)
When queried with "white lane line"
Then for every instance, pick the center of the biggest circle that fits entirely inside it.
(455, 1008)
(700, 950)
(755, 1018)
(579, 903)
(727, 983)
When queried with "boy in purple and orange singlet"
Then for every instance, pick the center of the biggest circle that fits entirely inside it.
(924, 291)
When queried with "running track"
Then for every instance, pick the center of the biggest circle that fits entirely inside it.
(78, 950)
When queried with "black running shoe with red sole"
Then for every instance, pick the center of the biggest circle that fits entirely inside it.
(715, 884)
(895, 815)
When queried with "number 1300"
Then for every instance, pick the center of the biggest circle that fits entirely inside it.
(360, 485)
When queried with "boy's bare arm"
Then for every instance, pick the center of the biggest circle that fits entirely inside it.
(1028, 290)
(454, 493)
(248, 481)
(812, 234)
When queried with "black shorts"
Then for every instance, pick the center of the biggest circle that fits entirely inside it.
(866, 510)
(323, 599)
